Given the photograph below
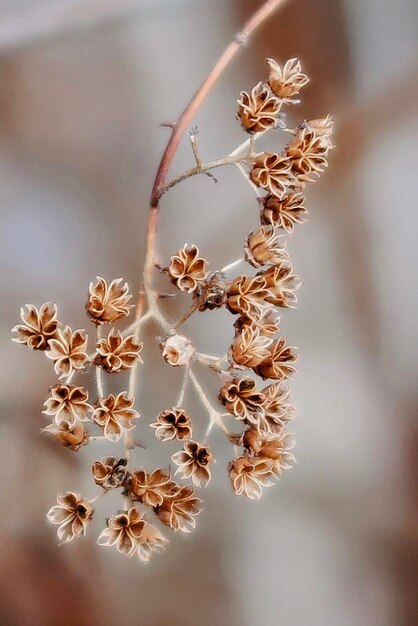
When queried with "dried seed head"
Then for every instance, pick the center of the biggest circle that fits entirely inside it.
(246, 296)
(258, 111)
(274, 447)
(72, 515)
(273, 172)
(179, 510)
(171, 424)
(308, 154)
(67, 404)
(194, 461)
(322, 127)
(280, 362)
(282, 285)
(285, 213)
(115, 415)
(38, 326)
(286, 81)
(211, 294)
(187, 269)
(177, 350)
(151, 489)
(248, 476)
(267, 323)
(73, 437)
(250, 347)
(115, 353)
(68, 351)
(110, 472)
(132, 535)
(277, 407)
(265, 247)
(241, 398)
(108, 303)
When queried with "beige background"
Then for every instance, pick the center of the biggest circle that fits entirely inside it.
(81, 99)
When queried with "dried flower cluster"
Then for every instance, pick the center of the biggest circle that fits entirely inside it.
(260, 412)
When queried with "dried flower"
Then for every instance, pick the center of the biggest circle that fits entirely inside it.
(322, 127)
(273, 172)
(279, 363)
(282, 285)
(115, 353)
(308, 153)
(267, 323)
(38, 326)
(72, 514)
(250, 347)
(132, 535)
(247, 296)
(212, 293)
(277, 406)
(194, 461)
(287, 81)
(241, 397)
(115, 415)
(265, 247)
(258, 111)
(179, 511)
(248, 476)
(68, 351)
(187, 269)
(275, 447)
(177, 350)
(110, 472)
(108, 303)
(151, 489)
(73, 437)
(67, 403)
(283, 213)
(172, 423)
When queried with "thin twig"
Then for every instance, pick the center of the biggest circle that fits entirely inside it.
(182, 393)
(98, 369)
(231, 266)
(214, 415)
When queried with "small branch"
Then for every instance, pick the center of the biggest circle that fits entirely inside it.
(214, 415)
(193, 142)
(180, 398)
(231, 266)
(185, 316)
(100, 495)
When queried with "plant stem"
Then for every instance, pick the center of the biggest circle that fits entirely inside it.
(99, 379)
(214, 415)
(230, 266)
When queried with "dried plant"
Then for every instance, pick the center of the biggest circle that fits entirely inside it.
(253, 419)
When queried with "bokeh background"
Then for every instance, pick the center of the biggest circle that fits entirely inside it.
(84, 87)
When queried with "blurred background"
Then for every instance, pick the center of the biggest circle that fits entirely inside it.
(84, 87)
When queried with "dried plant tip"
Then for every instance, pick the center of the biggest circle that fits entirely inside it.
(73, 437)
(115, 353)
(68, 351)
(246, 296)
(273, 447)
(115, 415)
(249, 476)
(67, 404)
(277, 407)
(194, 462)
(72, 515)
(322, 127)
(308, 154)
(132, 535)
(267, 323)
(288, 80)
(212, 294)
(258, 111)
(241, 398)
(110, 472)
(265, 247)
(151, 489)
(273, 172)
(187, 269)
(285, 213)
(179, 511)
(250, 347)
(280, 362)
(38, 326)
(172, 423)
(282, 285)
(108, 303)
(177, 350)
